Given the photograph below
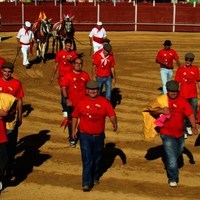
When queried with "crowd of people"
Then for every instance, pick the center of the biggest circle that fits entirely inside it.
(85, 109)
(83, 106)
(174, 113)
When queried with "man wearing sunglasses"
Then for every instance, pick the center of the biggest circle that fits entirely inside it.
(188, 77)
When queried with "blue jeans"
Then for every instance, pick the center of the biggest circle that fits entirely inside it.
(194, 103)
(173, 148)
(91, 152)
(107, 80)
(166, 75)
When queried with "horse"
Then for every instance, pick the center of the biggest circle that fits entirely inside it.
(42, 30)
(61, 31)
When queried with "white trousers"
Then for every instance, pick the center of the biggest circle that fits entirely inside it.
(25, 51)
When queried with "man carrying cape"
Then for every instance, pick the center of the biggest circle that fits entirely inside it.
(166, 115)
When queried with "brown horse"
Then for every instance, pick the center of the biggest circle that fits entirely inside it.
(41, 30)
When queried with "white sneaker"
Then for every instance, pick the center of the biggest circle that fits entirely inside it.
(1, 185)
(173, 184)
(185, 136)
(189, 130)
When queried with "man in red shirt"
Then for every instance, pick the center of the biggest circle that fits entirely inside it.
(64, 64)
(92, 111)
(73, 87)
(172, 130)
(165, 58)
(188, 76)
(12, 86)
(103, 69)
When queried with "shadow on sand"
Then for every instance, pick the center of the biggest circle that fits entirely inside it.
(28, 147)
(110, 152)
(158, 152)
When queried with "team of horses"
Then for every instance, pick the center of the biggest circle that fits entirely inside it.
(60, 31)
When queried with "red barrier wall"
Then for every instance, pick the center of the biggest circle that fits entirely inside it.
(120, 17)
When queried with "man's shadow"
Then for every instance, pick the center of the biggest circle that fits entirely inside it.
(27, 109)
(158, 152)
(6, 38)
(30, 157)
(116, 97)
(110, 152)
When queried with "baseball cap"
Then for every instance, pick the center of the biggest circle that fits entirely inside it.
(189, 55)
(99, 23)
(167, 43)
(92, 85)
(27, 24)
(172, 86)
(7, 65)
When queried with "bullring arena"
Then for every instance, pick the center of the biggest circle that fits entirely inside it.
(48, 168)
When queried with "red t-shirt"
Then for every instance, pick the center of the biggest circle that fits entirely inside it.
(65, 59)
(92, 114)
(13, 86)
(188, 78)
(179, 109)
(103, 64)
(76, 85)
(167, 57)
(3, 136)
(2, 60)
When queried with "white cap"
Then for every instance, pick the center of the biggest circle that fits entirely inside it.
(99, 23)
(27, 24)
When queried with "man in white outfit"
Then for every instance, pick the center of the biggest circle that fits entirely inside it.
(96, 37)
(25, 39)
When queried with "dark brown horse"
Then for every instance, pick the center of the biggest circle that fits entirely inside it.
(61, 31)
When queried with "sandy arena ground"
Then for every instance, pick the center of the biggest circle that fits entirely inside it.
(49, 169)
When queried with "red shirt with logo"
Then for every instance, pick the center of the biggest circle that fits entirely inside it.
(188, 78)
(167, 57)
(76, 85)
(65, 61)
(92, 114)
(179, 109)
(103, 63)
(12, 86)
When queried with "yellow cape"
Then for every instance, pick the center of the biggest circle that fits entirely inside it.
(149, 126)
(6, 102)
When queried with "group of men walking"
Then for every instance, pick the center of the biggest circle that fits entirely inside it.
(84, 109)
(174, 113)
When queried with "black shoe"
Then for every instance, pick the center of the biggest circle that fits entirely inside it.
(28, 66)
(86, 188)
(44, 60)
